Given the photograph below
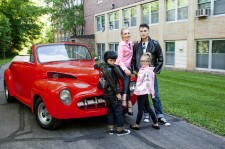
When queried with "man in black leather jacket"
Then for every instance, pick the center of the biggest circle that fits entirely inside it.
(112, 94)
(149, 45)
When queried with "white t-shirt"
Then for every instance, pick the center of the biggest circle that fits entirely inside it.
(144, 46)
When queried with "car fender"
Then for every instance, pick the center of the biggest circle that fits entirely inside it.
(49, 89)
(9, 82)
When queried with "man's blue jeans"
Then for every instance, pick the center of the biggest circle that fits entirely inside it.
(156, 102)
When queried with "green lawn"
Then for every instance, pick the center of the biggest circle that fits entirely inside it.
(198, 98)
(3, 61)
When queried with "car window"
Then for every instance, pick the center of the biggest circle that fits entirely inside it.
(62, 52)
(78, 52)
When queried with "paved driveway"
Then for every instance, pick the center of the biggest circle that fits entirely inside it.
(19, 130)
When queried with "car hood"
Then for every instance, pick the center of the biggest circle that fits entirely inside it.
(82, 70)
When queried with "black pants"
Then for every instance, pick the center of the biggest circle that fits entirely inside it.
(126, 81)
(143, 102)
(156, 102)
(115, 113)
(126, 86)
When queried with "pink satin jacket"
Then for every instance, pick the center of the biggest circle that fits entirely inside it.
(145, 81)
(125, 53)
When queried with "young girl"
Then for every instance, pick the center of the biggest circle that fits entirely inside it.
(125, 53)
(144, 87)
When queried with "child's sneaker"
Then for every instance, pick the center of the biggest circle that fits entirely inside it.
(146, 119)
(123, 132)
(111, 131)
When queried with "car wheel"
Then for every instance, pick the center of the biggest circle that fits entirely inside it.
(44, 119)
(9, 98)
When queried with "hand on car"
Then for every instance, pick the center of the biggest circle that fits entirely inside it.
(127, 72)
(134, 72)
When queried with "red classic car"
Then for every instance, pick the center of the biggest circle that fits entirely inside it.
(57, 81)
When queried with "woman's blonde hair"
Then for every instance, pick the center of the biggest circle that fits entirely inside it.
(123, 28)
(149, 57)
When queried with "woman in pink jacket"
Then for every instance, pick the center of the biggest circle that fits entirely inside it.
(125, 53)
(145, 87)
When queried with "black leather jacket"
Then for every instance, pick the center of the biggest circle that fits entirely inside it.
(111, 78)
(154, 48)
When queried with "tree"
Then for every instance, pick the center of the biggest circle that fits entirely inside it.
(25, 25)
(5, 34)
(67, 15)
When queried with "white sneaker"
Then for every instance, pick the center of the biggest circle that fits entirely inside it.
(123, 132)
(146, 119)
(111, 131)
(163, 121)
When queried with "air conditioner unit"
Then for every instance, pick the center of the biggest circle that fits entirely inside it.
(202, 13)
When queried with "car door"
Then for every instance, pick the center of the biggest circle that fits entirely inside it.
(24, 74)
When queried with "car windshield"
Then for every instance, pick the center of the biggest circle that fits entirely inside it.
(62, 52)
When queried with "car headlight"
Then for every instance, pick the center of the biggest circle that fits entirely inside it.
(132, 87)
(65, 96)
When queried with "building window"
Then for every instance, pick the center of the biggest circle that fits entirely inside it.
(211, 54)
(202, 54)
(129, 16)
(176, 10)
(101, 50)
(216, 6)
(203, 4)
(218, 54)
(219, 7)
(101, 23)
(170, 53)
(150, 13)
(114, 20)
(113, 47)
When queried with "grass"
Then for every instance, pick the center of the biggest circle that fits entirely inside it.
(3, 61)
(198, 98)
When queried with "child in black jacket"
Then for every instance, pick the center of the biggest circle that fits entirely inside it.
(112, 94)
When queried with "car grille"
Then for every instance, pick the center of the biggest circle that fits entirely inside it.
(91, 103)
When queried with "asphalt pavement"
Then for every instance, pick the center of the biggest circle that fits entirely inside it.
(19, 130)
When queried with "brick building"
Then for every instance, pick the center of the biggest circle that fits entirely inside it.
(85, 39)
(191, 32)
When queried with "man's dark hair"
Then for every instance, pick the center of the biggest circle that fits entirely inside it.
(143, 25)
(110, 55)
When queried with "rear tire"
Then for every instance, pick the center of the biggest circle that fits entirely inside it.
(8, 97)
(44, 119)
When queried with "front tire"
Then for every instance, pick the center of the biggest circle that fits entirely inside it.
(44, 119)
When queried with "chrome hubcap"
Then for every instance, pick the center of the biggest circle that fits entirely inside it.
(43, 114)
